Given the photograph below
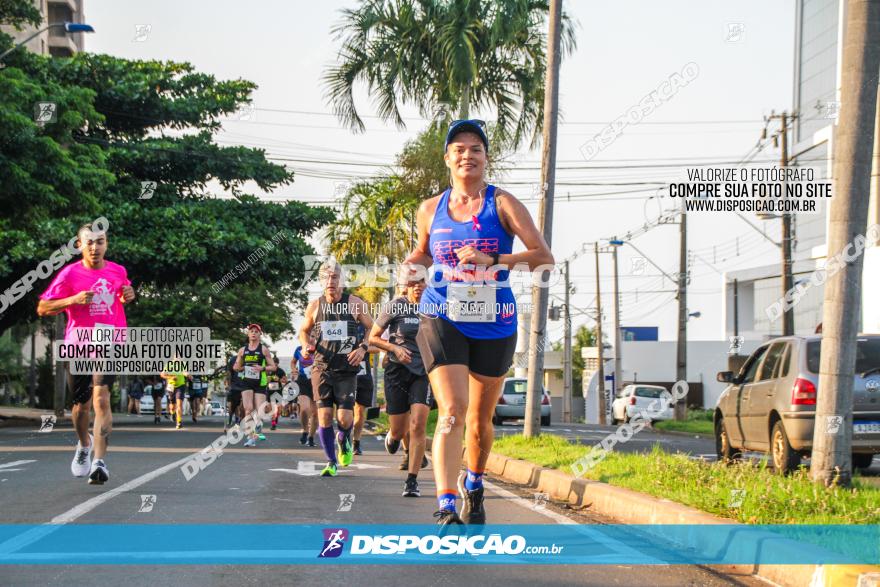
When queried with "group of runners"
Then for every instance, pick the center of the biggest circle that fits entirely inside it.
(445, 340)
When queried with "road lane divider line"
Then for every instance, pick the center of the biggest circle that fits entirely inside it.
(27, 538)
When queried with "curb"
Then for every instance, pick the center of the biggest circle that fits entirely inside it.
(631, 507)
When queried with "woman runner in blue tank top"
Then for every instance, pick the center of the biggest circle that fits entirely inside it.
(467, 331)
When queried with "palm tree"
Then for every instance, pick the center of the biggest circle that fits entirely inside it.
(437, 54)
(371, 228)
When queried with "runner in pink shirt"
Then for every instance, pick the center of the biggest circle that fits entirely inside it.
(92, 293)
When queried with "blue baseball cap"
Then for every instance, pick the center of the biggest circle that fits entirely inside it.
(459, 126)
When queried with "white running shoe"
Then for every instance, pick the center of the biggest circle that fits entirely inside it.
(250, 442)
(82, 459)
(100, 473)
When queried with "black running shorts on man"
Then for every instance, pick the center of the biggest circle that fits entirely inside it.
(80, 386)
(333, 377)
(364, 387)
(441, 343)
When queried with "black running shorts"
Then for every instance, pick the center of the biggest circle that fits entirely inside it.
(305, 386)
(334, 388)
(441, 343)
(364, 391)
(80, 386)
(404, 388)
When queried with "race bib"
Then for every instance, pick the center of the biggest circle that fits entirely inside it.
(274, 386)
(470, 303)
(334, 330)
(251, 372)
(307, 371)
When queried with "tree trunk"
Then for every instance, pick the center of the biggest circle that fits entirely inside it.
(464, 107)
(848, 216)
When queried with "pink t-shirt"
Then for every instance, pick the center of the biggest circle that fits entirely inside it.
(106, 307)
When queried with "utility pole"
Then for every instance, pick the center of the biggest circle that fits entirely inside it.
(537, 334)
(60, 375)
(848, 217)
(566, 353)
(787, 280)
(32, 370)
(681, 350)
(618, 350)
(601, 355)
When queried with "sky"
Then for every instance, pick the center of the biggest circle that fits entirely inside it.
(743, 54)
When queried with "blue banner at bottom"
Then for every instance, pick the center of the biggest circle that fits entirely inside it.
(212, 544)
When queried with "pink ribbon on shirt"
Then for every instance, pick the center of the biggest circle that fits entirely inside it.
(476, 222)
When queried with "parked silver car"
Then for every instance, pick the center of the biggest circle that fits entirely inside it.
(770, 405)
(512, 403)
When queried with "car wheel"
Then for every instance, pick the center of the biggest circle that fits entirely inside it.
(625, 417)
(726, 453)
(862, 461)
(497, 420)
(785, 458)
(545, 420)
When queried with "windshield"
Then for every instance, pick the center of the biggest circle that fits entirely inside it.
(867, 355)
(515, 387)
(653, 392)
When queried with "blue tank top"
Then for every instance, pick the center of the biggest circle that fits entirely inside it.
(486, 234)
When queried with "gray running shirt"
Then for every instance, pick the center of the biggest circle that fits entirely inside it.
(402, 320)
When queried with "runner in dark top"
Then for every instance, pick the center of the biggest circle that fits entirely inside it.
(363, 397)
(308, 408)
(338, 353)
(256, 363)
(407, 392)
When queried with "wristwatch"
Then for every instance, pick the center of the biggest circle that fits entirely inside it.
(495, 257)
(365, 347)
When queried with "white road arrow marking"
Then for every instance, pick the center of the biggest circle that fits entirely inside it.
(312, 469)
(6, 466)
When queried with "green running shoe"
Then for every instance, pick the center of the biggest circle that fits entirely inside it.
(329, 470)
(346, 452)
(261, 436)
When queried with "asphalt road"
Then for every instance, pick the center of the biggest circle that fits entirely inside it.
(273, 484)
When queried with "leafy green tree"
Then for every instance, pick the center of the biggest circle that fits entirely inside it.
(120, 123)
(444, 56)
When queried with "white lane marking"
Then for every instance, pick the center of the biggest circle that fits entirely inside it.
(312, 469)
(18, 542)
(5, 466)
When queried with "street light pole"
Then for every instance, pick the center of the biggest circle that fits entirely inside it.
(566, 353)
(537, 334)
(618, 351)
(681, 347)
(600, 354)
(70, 27)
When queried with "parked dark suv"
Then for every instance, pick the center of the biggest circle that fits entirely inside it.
(770, 405)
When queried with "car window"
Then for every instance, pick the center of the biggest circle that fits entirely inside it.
(751, 367)
(652, 392)
(771, 360)
(867, 354)
(515, 387)
(782, 370)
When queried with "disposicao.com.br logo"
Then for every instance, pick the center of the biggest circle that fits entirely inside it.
(401, 544)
